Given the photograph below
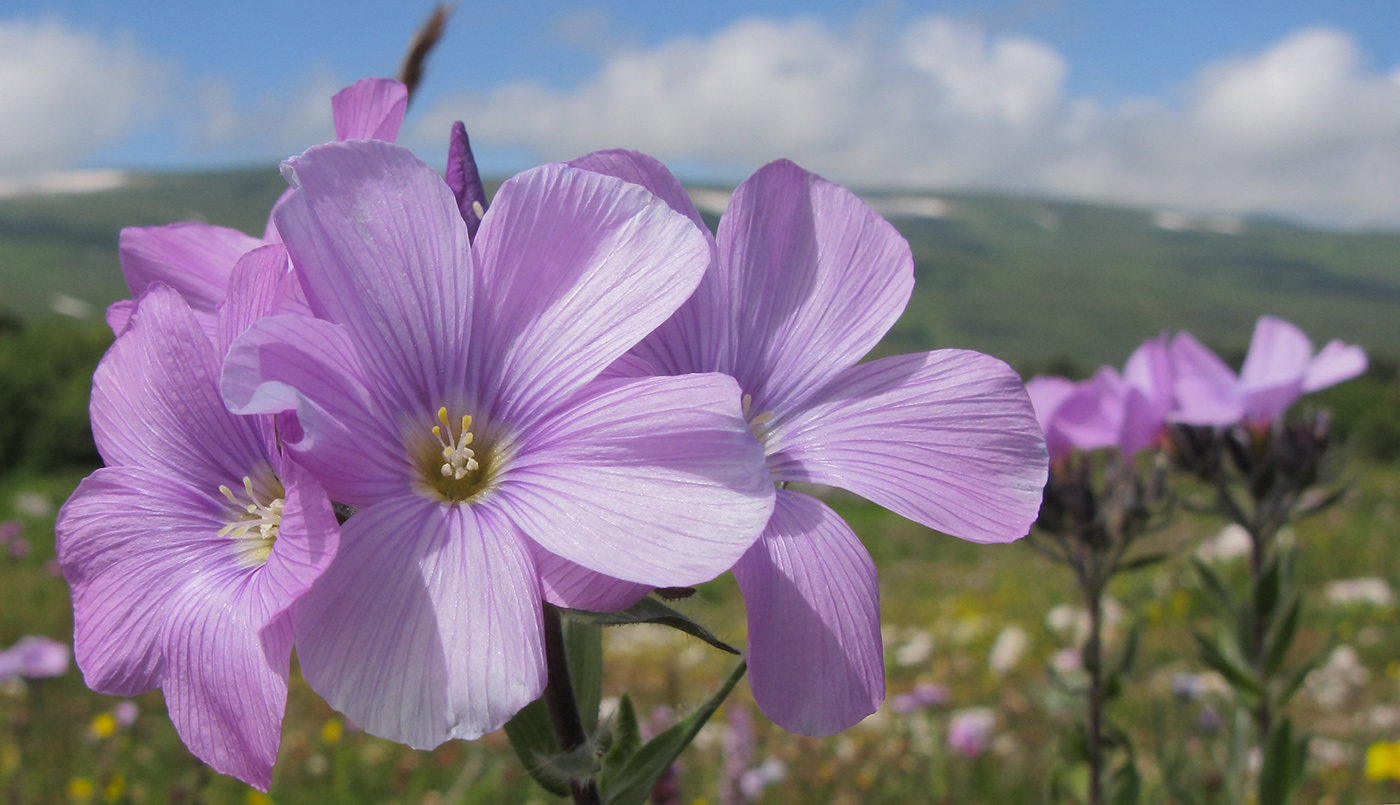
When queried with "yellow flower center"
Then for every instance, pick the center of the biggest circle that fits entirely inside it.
(254, 529)
(451, 468)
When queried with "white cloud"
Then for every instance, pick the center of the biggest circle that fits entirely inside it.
(279, 123)
(1304, 128)
(66, 93)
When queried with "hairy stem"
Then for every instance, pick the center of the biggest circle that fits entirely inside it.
(563, 706)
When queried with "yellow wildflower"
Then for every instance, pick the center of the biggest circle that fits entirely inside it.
(1383, 761)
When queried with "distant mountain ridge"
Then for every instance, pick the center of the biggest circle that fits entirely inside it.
(1027, 280)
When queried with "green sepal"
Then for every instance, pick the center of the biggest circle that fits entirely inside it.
(650, 610)
(633, 783)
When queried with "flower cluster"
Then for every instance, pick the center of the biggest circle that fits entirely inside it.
(392, 429)
(1182, 381)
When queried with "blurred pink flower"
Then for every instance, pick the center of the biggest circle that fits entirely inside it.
(971, 730)
(34, 658)
(1279, 368)
(923, 696)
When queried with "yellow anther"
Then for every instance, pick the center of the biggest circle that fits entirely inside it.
(478, 209)
(442, 415)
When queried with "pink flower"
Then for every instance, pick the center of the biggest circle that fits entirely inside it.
(34, 658)
(1279, 368)
(970, 730)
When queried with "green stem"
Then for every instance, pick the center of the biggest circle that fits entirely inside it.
(563, 705)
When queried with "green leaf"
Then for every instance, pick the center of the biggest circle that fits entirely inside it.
(1277, 774)
(1266, 591)
(1125, 786)
(1240, 678)
(583, 645)
(531, 734)
(1214, 585)
(1296, 681)
(1146, 560)
(650, 610)
(633, 783)
(1130, 650)
(1280, 636)
(626, 740)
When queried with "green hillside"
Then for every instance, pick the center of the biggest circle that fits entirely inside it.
(1030, 281)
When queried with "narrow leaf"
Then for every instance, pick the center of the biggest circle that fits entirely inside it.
(583, 645)
(633, 783)
(1214, 585)
(1276, 774)
(1238, 677)
(531, 735)
(1266, 591)
(650, 610)
(1280, 636)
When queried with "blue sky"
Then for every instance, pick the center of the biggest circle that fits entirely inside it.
(1287, 107)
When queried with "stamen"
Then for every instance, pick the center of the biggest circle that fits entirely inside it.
(478, 209)
(255, 530)
(458, 458)
(757, 424)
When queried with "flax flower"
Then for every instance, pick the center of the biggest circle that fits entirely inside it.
(186, 552)
(446, 388)
(1279, 368)
(806, 280)
(196, 258)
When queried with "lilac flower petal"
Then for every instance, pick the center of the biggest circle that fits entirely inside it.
(225, 682)
(254, 291)
(814, 277)
(1047, 395)
(155, 401)
(365, 205)
(1207, 392)
(638, 168)
(310, 366)
(1142, 422)
(573, 586)
(1149, 369)
(193, 258)
(463, 178)
(1335, 363)
(370, 109)
(127, 539)
(574, 268)
(1278, 356)
(816, 664)
(270, 232)
(656, 481)
(946, 438)
(1092, 417)
(427, 626)
(307, 540)
(119, 313)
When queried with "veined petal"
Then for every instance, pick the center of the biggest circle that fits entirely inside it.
(307, 540)
(312, 367)
(155, 400)
(1335, 363)
(193, 258)
(254, 291)
(573, 586)
(573, 269)
(119, 313)
(815, 278)
(1207, 392)
(640, 169)
(380, 248)
(945, 438)
(128, 539)
(370, 109)
(226, 681)
(816, 664)
(427, 626)
(1278, 356)
(656, 481)
(691, 340)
